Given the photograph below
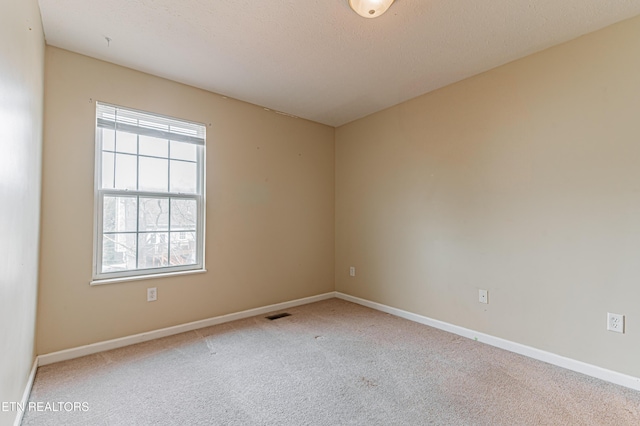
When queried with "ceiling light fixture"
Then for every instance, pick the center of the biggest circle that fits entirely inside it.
(370, 8)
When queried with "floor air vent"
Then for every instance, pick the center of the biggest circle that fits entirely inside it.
(276, 316)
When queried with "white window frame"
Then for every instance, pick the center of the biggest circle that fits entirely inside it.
(196, 137)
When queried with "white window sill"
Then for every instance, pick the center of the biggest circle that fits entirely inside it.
(145, 277)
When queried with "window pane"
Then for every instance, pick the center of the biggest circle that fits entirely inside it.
(146, 227)
(183, 248)
(153, 174)
(184, 214)
(108, 139)
(184, 151)
(154, 146)
(154, 250)
(184, 177)
(126, 167)
(119, 214)
(154, 214)
(118, 252)
(107, 170)
(126, 142)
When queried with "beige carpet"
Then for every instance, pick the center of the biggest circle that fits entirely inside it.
(329, 363)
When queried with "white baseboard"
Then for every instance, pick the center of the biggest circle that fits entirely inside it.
(26, 393)
(548, 357)
(93, 348)
(528, 351)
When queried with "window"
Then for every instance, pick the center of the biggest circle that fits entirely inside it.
(149, 194)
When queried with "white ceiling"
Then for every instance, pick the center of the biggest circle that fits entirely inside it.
(317, 59)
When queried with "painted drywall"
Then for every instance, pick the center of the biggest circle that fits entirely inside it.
(269, 219)
(525, 181)
(21, 88)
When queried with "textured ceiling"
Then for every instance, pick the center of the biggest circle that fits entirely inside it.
(317, 59)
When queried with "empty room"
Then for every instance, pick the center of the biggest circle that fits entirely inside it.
(364, 212)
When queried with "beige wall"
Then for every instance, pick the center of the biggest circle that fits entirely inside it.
(270, 203)
(21, 88)
(525, 181)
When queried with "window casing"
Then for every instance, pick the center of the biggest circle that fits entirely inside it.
(149, 190)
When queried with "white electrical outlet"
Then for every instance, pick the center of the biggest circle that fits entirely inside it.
(483, 296)
(615, 322)
(152, 294)
(352, 271)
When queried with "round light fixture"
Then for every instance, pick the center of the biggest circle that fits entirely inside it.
(370, 8)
